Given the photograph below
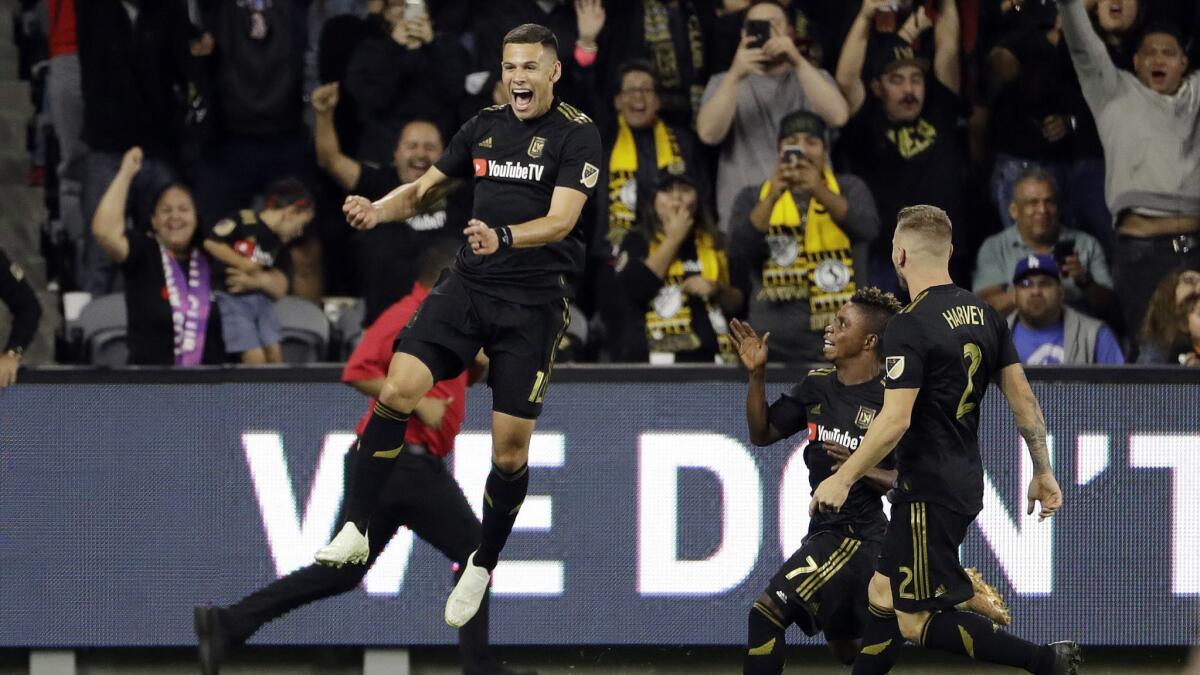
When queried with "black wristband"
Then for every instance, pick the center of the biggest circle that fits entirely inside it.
(504, 235)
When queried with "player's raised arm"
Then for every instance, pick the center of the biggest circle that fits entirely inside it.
(752, 351)
(400, 204)
(1028, 414)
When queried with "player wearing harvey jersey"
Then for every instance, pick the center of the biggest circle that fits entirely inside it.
(534, 162)
(940, 353)
(823, 585)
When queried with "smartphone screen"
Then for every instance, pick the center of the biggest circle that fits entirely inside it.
(793, 154)
(1062, 250)
(759, 32)
(414, 9)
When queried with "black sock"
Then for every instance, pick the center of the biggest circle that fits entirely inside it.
(377, 449)
(881, 643)
(974, 636)
(502, 498)
(765, 640)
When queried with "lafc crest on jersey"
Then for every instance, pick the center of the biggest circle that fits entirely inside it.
(864, 417)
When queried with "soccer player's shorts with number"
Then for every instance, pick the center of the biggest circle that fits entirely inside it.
(823, 586)
(521, 341)
(920, 557)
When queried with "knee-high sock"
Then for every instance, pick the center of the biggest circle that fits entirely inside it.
(765, 640)
(377, 449)
(502, 498)
(881, 643)
(974, 636)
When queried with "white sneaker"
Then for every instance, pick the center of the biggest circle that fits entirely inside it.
(349, 546)
(467, 594)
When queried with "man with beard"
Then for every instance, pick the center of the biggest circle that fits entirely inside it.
(940, 353)
(1147, 124)
(903, 139)
(388, 256)
(744, 106)
(535, 163)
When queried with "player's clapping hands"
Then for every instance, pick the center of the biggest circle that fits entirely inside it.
(360, 212)
(482, 239)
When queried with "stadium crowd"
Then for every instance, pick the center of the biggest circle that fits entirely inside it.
(196, 155)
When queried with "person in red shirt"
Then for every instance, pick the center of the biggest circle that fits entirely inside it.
(421, 494)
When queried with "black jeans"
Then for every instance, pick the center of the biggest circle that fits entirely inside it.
(421, 495)
(1141, 263)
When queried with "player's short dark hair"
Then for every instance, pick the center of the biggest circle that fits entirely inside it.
(532, 34)
(877, 306)
(635, 66)
(287, 192)
(928, 221)
(436, 257)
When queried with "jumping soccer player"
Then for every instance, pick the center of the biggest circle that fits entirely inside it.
(940, 353)
(535, 163)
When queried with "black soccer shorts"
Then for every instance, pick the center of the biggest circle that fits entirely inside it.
(521, 341)
(920, 557)
(823, 586)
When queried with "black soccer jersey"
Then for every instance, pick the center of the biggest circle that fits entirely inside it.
(516, 166)
(950, 344)
(835, 412)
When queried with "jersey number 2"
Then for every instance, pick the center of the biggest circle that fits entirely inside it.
(974, 359)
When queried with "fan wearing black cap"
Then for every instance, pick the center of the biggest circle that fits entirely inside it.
(800, 239)
(674, 273)
(903, 137)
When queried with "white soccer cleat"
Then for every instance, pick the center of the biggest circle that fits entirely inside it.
(467, 594)
(349, 546)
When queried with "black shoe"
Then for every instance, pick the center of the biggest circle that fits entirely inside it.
(212, 639)
(1066, 657)
(495, 669)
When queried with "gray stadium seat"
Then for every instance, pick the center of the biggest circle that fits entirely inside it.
(305, 330)
(350, 328)
(101, 333)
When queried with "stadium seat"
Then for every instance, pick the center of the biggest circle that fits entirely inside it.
(100, 333)
(305, 330)
(350, 328)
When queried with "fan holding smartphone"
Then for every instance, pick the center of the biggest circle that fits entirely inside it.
(812, 224)
(743, 106)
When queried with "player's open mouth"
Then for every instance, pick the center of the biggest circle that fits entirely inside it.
(522, 99)
(1116, 8)
(1158, 78)
(828, 344)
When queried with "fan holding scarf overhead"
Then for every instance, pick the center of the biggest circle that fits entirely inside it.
(801, 236)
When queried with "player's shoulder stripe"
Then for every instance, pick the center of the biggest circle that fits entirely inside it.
(573, 114)
(916, 301)
(821, 372)
(495, 108)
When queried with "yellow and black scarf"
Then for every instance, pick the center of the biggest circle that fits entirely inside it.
(809, 257)
(672, 76)
(622, 174)
(669, 320)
